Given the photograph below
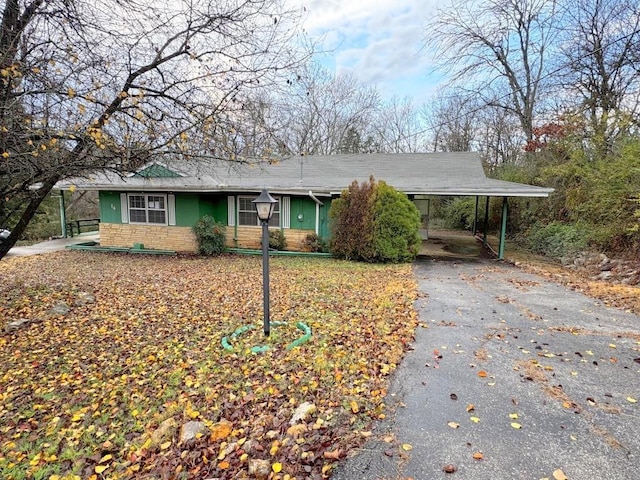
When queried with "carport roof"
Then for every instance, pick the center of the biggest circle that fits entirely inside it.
(412, 173)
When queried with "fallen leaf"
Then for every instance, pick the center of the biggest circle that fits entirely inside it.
(478, 456)
(449, 468)
(631, 400)
(101, 468)
(559, 475)
(474, 419)
(276, 467)
(482, 374)
(471, 407)
(332, 455)
(453, 424)
(354, 406)
(513, 416)
(516, 425)
(224, 465)
(453, 396)
(407, 446)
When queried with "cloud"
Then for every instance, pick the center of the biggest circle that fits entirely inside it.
(379, 41)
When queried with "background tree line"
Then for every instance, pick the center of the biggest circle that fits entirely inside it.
(546, 91)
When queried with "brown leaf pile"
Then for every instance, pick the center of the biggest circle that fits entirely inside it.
(101, 391)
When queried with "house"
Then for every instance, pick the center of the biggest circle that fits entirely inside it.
(157, 205)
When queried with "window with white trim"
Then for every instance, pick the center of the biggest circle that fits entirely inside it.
(247, 215)
(151, 208)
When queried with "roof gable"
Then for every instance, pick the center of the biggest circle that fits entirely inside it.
(156, 170)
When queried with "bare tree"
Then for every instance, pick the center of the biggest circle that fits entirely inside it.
(497, 50)
(398, 126)
(452, 120)
(86, 86)
(601, 63)
(324, 110)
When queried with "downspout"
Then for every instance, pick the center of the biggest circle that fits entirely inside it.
(318, 204)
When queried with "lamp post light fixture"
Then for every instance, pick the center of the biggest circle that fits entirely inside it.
(265, 205)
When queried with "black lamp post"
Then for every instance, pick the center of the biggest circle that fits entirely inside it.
(265, 205)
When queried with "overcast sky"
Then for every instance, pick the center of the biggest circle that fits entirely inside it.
(377, 40)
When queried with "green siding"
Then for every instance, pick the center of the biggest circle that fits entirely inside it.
(305, 207)
(190, 207)
(324, 231)
(110, 207)
(187, 209)
(216, 206)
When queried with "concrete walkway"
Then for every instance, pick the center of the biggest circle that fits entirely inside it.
(53, 245)
(533, 379)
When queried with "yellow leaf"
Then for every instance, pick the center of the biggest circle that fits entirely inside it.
(244, 457)
(513, 416)
(101, 468)
(406, 447)
(474, 419)
(221, 430)
(612, 345)
(165, 445)
(106, 458)
(453, 424)
(559, 475)
(224, 465)
(354, 406)
(274, 447)
(516, 425)
(276, 467)
(631, 400)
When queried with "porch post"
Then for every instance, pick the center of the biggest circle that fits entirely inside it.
(63, 215)
(486, 222)
(475, 218)
(503, 229)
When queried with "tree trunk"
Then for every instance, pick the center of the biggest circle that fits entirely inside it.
(27, 215)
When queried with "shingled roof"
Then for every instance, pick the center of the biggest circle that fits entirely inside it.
(452, 174)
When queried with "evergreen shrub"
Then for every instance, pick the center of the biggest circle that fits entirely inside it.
(210, 236)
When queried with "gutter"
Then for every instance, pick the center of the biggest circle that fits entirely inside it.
(318, 205)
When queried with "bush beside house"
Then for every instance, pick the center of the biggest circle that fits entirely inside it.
(210, 235)
(373, 222)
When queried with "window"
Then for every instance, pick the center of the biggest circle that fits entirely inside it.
(248, 216)
(148, 209)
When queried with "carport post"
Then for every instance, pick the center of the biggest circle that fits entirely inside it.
(503, 229)
(475, 218)
(486, 222)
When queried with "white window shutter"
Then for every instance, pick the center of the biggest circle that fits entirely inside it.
(124, 208)
(285, 212)
(231, 211)
(171, 208)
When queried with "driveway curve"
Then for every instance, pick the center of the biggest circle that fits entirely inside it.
(510, 377)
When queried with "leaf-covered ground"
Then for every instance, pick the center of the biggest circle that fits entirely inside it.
(102, 391)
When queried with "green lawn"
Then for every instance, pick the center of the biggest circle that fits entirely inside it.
(102, 391)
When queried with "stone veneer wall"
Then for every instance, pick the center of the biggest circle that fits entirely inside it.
(180, 239)
(250, 237)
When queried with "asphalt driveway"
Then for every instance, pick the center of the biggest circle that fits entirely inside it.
(532, 379)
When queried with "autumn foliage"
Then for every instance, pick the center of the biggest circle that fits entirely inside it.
(102, 390)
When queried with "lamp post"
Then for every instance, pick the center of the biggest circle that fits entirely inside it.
(265, 204)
